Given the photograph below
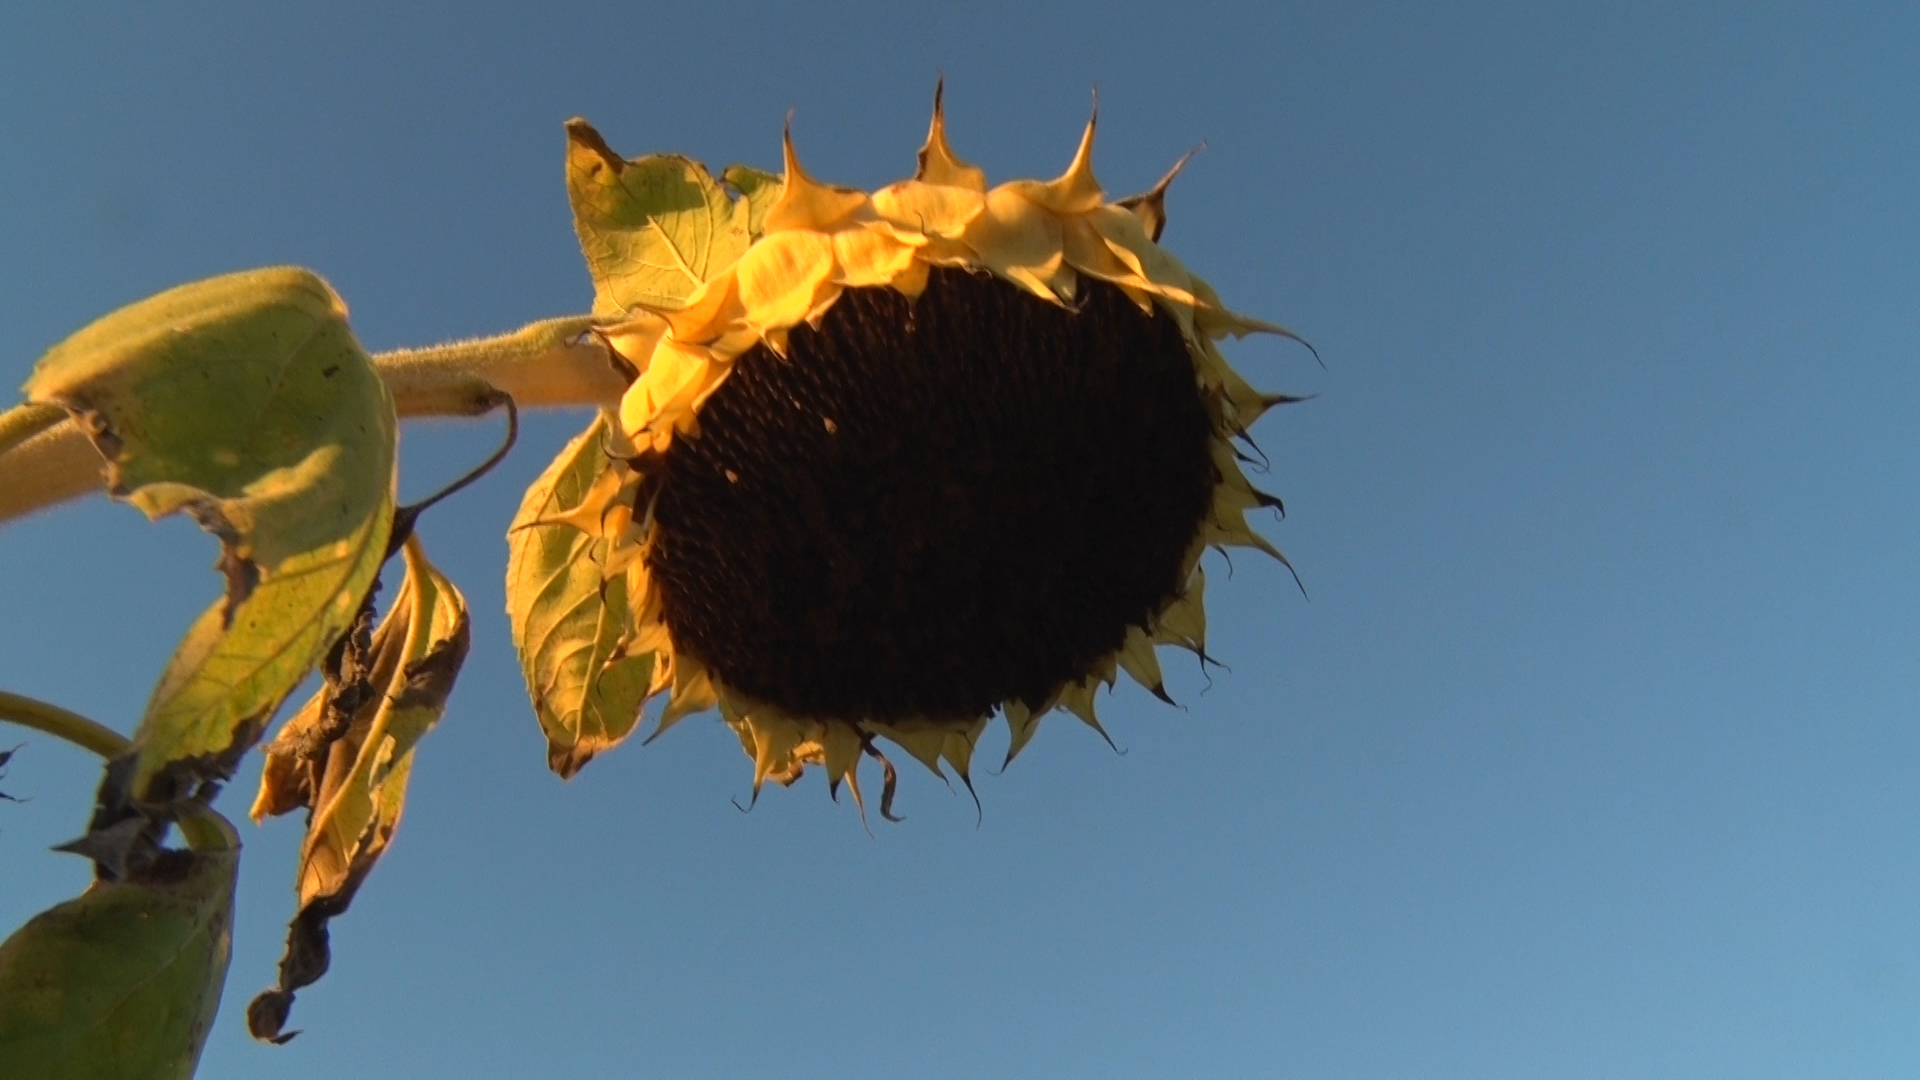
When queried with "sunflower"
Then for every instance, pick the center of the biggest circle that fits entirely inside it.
(923, 456)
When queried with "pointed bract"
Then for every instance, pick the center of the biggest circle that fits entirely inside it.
(938, 164)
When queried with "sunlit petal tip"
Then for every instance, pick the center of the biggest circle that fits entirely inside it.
(805, 203)
(1075, 191)
(937, 162)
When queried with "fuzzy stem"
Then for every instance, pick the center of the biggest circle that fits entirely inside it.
(545, 365)
(542, 365)
(56, 465)
(23, 422)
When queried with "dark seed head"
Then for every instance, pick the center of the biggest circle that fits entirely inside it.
(934, 506)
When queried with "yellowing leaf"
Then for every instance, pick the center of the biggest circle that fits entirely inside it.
(245, 402)
(570, 619)
(124, 980)
(656, 227)
(346, 757)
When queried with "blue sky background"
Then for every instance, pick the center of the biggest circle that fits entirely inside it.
(1593, 754)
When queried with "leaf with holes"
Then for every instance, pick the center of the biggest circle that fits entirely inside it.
(245, 402)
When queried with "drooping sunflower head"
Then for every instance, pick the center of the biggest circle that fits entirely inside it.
(923, 456)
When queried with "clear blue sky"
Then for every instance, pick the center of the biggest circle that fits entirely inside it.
(1593, 753)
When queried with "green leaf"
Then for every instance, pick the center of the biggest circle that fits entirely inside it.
(123, 981)
(345, 758)
(759, 189)
(245, 402)
(656, 227)
(570, 618)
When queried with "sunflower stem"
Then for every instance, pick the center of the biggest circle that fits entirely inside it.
(200, 825)
(23, 422)
(547, 364)
(553, 364)
(50, 719)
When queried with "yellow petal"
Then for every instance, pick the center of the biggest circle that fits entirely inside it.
(869, 257)
(1151, 206)
(1232, 531)
(942, 252)
(938, 163)
(1021, 242)
(634, 339)
(1077, 699)
(781, 276)
(1214, 319)
(663, 665)
(1022, 724)
(1243, 401)
(913, 280)
(710, 309)
(664, 399)
(958, 749)
(1087, 251)
(1074, 191)
(1184, 622)
(806, 203)
(1137, 657)
(780, 749)
(926, 744)
(941, 210)
(692, 692)
(734, 342)
(1128, 240)
(841, 750)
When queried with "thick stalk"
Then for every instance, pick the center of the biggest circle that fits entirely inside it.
(544, 365)
(23, 422)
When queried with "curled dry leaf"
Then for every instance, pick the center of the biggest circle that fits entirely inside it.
(345, 757)
(245, 402)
